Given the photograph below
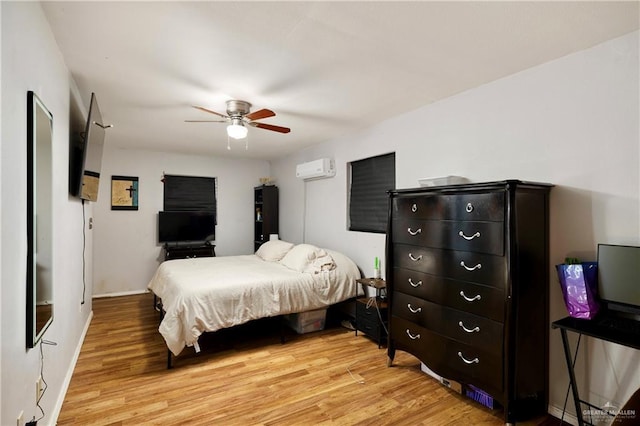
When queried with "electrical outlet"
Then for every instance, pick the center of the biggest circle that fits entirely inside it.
(39, 388)
(20, 419)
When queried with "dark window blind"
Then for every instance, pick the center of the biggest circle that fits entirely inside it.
(189, 193)
(371, 178)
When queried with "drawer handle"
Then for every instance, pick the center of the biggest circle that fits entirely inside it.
(473, 361)
(469, 237)
(472, 268)
(414, 285)
(415, 259)
(475, 329)
(414, 207)
(413, 336)
(470, 299)
(469, 208)
(414, 311)
(416, 232)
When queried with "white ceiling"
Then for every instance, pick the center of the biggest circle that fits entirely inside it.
(326, 68)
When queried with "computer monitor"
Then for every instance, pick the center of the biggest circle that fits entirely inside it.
(619, 277)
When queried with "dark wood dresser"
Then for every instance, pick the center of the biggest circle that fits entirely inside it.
(468, 287)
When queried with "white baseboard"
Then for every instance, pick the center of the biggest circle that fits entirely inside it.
(72, 367)
(567, 417)
(121, 293)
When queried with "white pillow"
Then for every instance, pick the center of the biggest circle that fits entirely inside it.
(273, 251)
(299, 257)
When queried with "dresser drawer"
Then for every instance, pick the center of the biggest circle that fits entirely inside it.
(478, 299)
(417, 340)
(481, 237)
(467, 328)
(448, 358)
(372, 329)
(469, 206)
(475, 366)
(460, 265)
(368, 311)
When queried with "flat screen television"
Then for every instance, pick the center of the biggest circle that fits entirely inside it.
(619, 278)
(86, 154)
(186, 226)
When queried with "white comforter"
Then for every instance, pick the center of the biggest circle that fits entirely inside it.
(211, 293)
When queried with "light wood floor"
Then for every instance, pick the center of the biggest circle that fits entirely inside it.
(246, 377)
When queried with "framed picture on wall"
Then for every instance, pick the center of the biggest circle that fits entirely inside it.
(124, 193)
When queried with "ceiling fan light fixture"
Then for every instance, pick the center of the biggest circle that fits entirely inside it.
(236, 129)
(239, 116)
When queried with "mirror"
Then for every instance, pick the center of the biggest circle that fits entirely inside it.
(39, 220)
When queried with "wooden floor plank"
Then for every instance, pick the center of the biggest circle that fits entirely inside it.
(245, 376)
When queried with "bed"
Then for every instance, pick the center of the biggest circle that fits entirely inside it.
(211, 293)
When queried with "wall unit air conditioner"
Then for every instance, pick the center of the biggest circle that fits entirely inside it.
(317, 169)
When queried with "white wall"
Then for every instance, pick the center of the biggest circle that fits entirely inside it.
(31, 61)
(126, 250)
(1, 36)
(572, 122)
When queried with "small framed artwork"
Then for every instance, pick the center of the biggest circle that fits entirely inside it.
(124, 193)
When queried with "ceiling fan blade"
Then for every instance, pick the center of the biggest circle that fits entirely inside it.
(263, 113)
(271, 127)
(209, 111)
(206, 121)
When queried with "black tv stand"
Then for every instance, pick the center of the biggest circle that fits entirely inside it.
(188, 251)
(598, 328)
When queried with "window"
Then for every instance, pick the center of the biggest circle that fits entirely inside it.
(370, 179)
(189, 193)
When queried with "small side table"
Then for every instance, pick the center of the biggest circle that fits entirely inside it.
(627, 337)
(378, 284)
(371, 312)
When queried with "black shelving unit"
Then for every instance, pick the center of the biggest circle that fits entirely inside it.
(265, 214)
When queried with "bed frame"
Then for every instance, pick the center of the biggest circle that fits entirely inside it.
(157, 305)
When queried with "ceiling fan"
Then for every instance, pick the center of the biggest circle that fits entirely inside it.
(239, 116)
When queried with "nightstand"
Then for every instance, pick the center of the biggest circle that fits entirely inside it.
(371, 312)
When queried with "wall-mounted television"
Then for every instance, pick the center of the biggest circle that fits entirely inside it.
(86, 153)
(619, 277)
(186, 226)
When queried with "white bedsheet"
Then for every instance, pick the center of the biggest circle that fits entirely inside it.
(211, 293)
